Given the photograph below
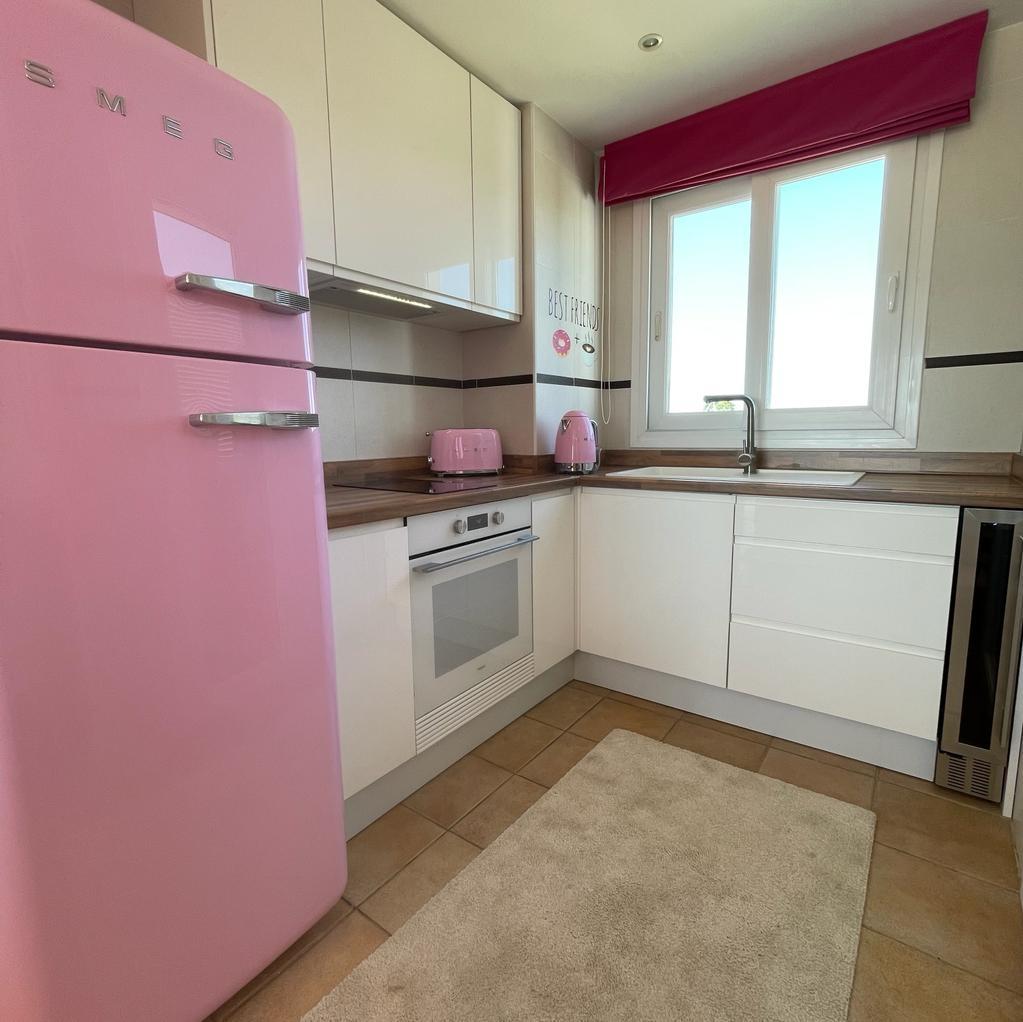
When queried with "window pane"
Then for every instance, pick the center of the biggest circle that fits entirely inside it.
(707, 302)
(825, 273)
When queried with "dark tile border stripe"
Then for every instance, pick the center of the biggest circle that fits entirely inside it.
(498, 381)
(988, 358)
(580, 381)
(403, 379)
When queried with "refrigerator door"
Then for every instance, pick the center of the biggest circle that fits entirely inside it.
(169, 766)
(127, 164)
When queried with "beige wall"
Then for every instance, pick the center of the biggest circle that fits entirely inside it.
(976, 298)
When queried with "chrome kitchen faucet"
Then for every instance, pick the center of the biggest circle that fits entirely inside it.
(748, 457)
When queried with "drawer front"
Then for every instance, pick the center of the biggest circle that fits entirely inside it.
(906, 528)
(876, 596)
(889, 688)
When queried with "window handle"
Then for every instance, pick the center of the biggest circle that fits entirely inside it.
(893, 291)
(657, 328)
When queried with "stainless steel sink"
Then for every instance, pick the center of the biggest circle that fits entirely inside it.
(794, 476)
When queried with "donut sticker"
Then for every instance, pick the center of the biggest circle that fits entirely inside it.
(561, 343)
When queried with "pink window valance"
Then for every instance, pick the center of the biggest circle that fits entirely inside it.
(906, 88)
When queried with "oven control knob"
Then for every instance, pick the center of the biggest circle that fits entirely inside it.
(460, 526)
(498, 518)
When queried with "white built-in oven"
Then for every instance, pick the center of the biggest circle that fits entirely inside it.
(472, 614)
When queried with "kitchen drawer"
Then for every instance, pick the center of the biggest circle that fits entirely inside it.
(906, 528)
(876, 595)
(887, 687)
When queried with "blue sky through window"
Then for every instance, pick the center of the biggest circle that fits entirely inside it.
(827, 232)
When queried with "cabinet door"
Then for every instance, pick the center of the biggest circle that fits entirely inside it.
(400, 144)
(496, 198)
(369, 582)
(654, 573)
(282, 57)
(553, 580)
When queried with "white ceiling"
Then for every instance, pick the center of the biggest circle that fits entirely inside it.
(578, 59)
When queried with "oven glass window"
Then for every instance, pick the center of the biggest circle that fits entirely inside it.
(474, 614)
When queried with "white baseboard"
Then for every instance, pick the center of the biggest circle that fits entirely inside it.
(903, 753)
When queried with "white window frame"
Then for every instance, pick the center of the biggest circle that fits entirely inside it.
(908, 223)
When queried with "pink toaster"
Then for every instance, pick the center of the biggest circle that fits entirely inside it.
(465, 451)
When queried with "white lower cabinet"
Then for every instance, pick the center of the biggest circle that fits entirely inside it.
(369, 583)
(554, 603)
(654, 580)
(842, 607)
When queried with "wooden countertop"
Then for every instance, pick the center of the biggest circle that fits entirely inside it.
(897, 487)
(350, 506)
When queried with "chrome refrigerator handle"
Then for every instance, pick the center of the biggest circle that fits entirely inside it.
(267, 420)
(272, 298)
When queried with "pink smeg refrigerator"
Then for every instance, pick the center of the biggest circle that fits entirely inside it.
(170, 790)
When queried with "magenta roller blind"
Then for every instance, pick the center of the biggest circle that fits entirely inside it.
(908, 87)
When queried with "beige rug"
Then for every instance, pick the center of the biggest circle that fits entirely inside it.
(648, 883)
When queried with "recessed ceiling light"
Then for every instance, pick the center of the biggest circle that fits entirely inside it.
(650, 41)
(392, 298)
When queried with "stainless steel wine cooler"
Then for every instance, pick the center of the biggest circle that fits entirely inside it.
(983, 654)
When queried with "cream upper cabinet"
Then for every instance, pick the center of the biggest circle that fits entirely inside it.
(496, 198)
(279, 52)
(401, 149)
(654, 580)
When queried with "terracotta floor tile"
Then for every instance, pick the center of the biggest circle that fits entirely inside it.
(312, 936)
(811, 773)
(451, 794)
(930, 788)
(728, 729)
(515, 745)
(609, 714)
(299, 988)
(405, 894)
(556, 760)
(378, 852)
(868, 769)
(717, 745)
(585, 686)
(966, 922)
(956, 836)
(564, 708)
(499, 811)
(896, 983)
(645, 704)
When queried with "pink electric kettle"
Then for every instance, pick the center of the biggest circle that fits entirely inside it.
(575, 446)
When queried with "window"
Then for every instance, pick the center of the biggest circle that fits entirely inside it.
(791, 286)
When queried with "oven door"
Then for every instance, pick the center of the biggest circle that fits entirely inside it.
(471, 615)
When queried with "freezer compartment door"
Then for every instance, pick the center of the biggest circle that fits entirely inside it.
(129, 169)
(169, 766)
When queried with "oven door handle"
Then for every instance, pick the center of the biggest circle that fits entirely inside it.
(432, 566)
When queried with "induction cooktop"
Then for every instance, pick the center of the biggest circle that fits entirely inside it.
(424, 483)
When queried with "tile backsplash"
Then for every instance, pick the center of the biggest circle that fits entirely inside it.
(383, 383)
